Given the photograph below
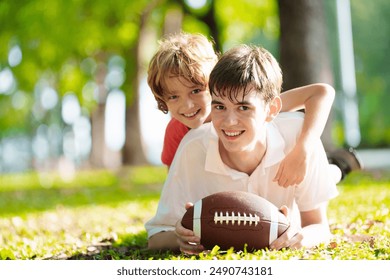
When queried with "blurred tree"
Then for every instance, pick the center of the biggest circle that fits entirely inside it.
(132, 152)
(68, 44)
(371, 30)
(304, 49)
(205, 14)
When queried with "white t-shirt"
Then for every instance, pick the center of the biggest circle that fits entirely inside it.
(198, 171)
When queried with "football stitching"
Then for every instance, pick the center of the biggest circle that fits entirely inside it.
(244, 218)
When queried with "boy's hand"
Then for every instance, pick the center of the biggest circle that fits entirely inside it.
(291, 238)
(188, 242)
(292, 169)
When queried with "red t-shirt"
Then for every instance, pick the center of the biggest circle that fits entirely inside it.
(174, 132)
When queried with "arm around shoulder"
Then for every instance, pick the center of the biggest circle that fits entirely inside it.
(317, 100)
(302, 97)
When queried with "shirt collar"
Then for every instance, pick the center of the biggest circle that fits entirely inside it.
(274, 154)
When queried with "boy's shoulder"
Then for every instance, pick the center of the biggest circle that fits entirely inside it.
(194, 143)
(199, 135)
(200, 132)
(289, 125)
(290, 121)
(290, 116)
(174, 126)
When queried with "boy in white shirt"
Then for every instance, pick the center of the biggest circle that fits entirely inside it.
(241, 150)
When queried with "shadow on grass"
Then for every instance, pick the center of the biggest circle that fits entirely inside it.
(132, 247)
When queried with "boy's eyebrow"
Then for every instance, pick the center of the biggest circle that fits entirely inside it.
(244, 102)
(192, 87)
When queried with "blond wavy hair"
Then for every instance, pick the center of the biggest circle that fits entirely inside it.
(184, 55)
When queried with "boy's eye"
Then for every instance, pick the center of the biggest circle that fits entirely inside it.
(195, 91)
(243, 108)
(172, 97)
(219, 107)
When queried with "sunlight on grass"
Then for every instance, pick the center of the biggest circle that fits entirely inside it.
(101, 214)
(24, 193)
(34, 180)
(62, 232)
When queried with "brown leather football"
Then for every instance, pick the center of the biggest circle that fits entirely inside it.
(235, 219)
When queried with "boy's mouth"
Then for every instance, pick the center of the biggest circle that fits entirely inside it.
(233, 133)
(190, 115)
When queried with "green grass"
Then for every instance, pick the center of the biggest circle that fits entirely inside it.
(100, 215)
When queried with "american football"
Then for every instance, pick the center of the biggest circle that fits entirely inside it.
(235, 219)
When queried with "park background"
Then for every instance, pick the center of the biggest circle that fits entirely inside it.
(80, 130)
(72, 73)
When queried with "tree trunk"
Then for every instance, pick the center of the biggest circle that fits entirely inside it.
(209, 19)
(101, 155)
(133, 152)
(98, 144)
(173, 21)
(304, 50)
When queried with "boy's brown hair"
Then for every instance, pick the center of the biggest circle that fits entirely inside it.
(190, 56)
(246, 68)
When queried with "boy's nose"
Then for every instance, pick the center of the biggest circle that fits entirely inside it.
(231, 118)
(188, 103)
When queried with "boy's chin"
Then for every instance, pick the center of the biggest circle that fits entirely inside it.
(193, 124)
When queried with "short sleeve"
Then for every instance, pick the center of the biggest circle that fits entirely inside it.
(174, 133)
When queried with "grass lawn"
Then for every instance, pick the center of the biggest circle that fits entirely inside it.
(100, 215)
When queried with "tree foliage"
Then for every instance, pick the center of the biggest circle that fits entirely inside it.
(65, 44)
(57, 36)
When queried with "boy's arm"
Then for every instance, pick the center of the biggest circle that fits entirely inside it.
(181, 239)
(317, 100)
(164, 240)
(315, 227)
(315, 230)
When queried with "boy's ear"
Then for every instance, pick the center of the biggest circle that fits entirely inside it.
(162, 106)
(274, 108)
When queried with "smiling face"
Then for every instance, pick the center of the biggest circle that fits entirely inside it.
(245, 85)
(240, 122)
(187, 102)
